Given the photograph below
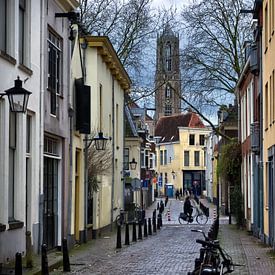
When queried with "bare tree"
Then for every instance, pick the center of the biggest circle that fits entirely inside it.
(99, 163)
(131, 25)
(213, 56)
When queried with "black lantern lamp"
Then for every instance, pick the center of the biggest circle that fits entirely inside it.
(133, 164)
(100, 141)
(18, 97)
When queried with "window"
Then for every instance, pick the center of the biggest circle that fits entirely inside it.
(151, 161)
(22, 14)
(186, 158)
(202, 140)
(168, 109)
(12, 158)
(266, 26)
(3, 25)
(51, 146)
(197, 158)
(54, 69)
(168, 56)
(165, 157)
(142, 162)
(191, 139)
(126, 158)
(266, 106)
(28, 135)
(161, 157)
(168, 91)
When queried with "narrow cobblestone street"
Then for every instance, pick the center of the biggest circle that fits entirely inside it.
(172, 250)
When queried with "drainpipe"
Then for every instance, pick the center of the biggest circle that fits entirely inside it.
(113, 152)
(41, 127)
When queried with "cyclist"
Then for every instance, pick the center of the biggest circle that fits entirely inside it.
(188, 208)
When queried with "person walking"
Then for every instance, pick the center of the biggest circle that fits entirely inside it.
(166, 200)
(161, 207)
(177, 194)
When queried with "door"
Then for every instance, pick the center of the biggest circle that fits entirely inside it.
(271, 200)
(50, 202)
(77, 208)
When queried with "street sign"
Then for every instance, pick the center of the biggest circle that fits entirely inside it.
(136, 184)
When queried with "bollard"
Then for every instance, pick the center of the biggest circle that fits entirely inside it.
(29, 251)
(139, 231)
(127, 241)
(118, 237)
(134, 232)
(145, 228)
(158, 206)
(154, 225)
(158, 221)
(149, 226)
(154, 214)
(18, 263)
(44, 260)
(66, 260)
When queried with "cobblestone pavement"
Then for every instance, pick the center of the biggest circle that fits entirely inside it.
(172, 250)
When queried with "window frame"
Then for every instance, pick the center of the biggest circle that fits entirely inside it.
(196, 158)
(186, 158)
(55, 59)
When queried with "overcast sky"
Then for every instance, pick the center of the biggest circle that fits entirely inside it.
(168, 3)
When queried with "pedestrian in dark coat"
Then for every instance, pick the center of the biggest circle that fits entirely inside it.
(166, 200)
(161, 207)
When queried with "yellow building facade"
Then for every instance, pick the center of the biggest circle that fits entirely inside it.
(268, 89)
(181, 154)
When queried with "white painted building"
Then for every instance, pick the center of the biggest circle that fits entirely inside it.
(19, 133)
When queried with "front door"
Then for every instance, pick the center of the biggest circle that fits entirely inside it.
(50, 202)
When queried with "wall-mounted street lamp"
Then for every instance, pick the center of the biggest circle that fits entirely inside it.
(18, 97)
(173, 174)
(99, 140)
(133, 164)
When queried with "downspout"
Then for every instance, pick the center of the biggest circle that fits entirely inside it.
(113, 153)
(123, 146)
(41, 127)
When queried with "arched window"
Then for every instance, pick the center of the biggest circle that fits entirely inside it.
(168, 56)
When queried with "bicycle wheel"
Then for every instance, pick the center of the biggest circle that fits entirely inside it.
(201, 218)
(182, 221)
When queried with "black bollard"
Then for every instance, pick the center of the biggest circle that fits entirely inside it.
(154, 225)
(66, 260)
(145, 228)
(118, 237)
(134, 232)
(127, 241)
(18, 263)
(149, 226)
(154, 214)
(139, 231)
(160, 220)
(44, 260)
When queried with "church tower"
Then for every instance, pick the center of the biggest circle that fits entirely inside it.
(167, 77)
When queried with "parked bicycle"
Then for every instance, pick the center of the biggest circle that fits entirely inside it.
(122, 217)
(134, 215)
(199, 216)
(213, 259)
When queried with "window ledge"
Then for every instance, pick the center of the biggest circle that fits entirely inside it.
(15, 225)
(7, 57)
(2, 227)
(25, 69)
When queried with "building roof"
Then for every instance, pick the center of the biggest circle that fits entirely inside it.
(109, 55)
(167, 126)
